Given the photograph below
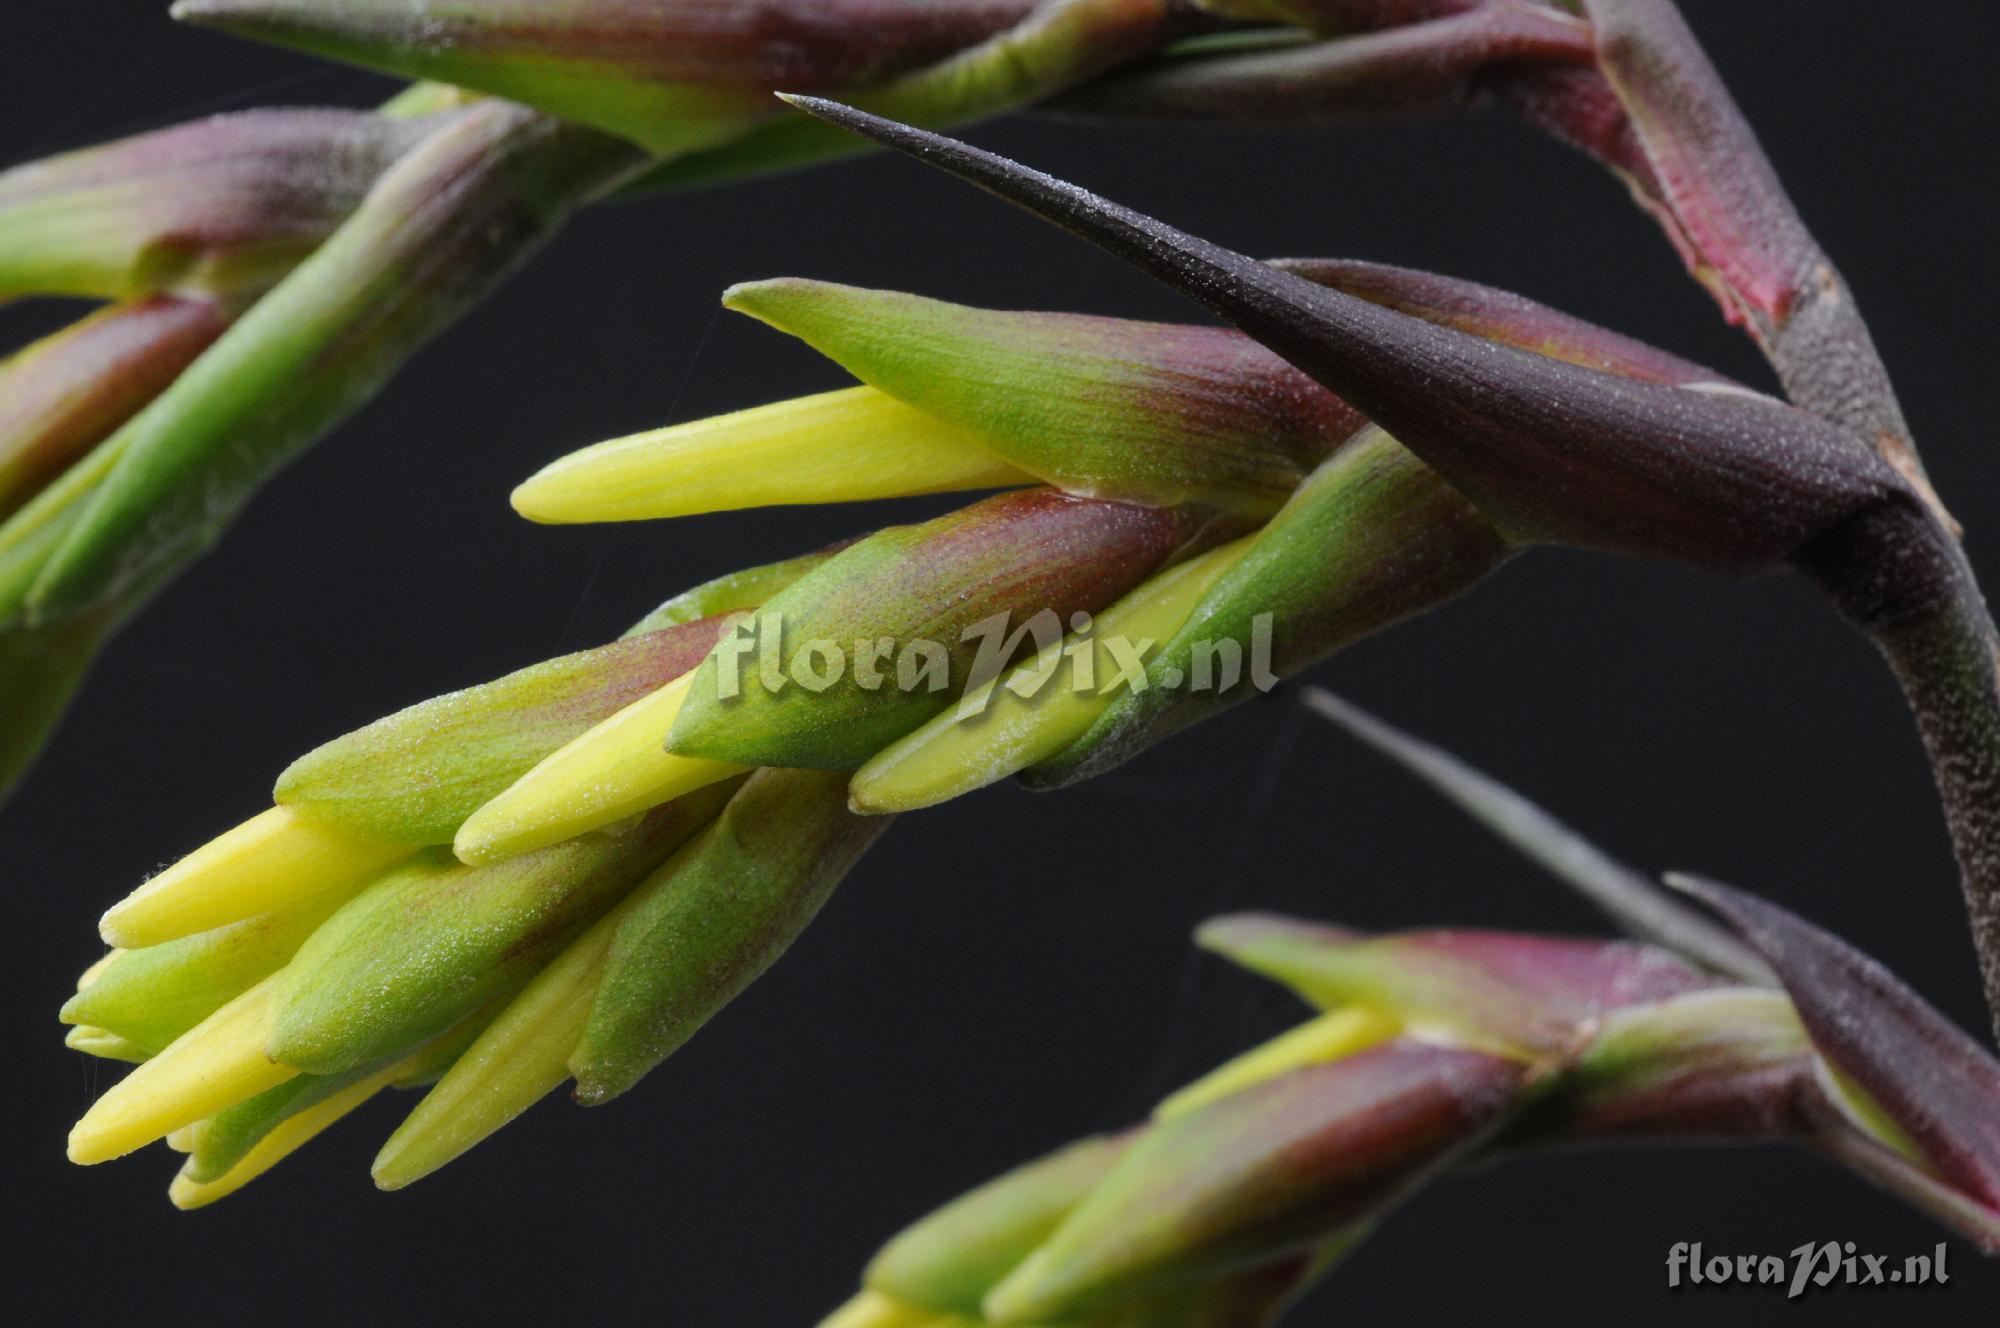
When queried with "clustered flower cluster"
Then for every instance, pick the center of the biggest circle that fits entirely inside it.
(562, 875)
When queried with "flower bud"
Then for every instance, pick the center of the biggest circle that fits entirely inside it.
(67, 393)
(619, 769)
(216, 1065)
(700, 931)
(1102, 407)
(221, 1143)
(1268, 1172)
(273, 863)
(518, 1057)
(948, 1262)
(415, 777)
(1526, 994)
(672, 75)
(1034, 713)
(614, 763)
(1374, 537)
(432, 941)
(917, 605)
(873, 1310)
(1424, 57)
(226, 204)
(153, 995)
(1343, 1031)
(105, 1045)
(1056, 45)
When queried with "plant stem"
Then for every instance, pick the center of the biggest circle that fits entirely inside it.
(1897, 572)
(1901, 578)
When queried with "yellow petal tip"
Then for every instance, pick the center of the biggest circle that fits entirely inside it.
(275, 859)
(187, 1196)
(615, 771)
(853, 445)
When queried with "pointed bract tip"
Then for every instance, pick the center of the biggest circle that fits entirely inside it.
(1934, 1081)
(1235, 934)
(1550, 451)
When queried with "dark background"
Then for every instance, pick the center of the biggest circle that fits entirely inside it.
(1013, 970)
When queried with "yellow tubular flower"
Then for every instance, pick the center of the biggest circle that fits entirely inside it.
(521, 1058)
(272, 861)
(848, 446)
(216, 1065)
(953, 755)
(1333, 1036)
(290, 1136)
(618, 769)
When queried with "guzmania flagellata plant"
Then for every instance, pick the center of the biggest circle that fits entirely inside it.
(563, 874)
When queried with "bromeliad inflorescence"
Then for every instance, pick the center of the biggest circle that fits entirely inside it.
(1171, 486)
(1440, 1051)
(1433, 1052)
(562, 875)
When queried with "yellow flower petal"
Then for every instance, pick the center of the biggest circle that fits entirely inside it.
(954, 754)
(1331, 1037)
(288, 1137)
(521, 1057)
(847, 446)
(618, 769)
(273, 861)
(215, 1065)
